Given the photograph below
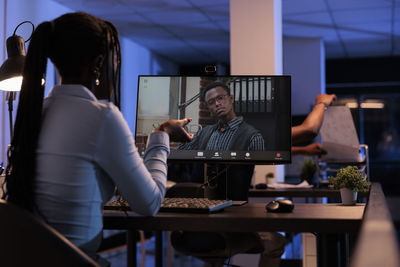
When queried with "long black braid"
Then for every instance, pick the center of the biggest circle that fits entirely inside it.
(115, 49)
(72, 42)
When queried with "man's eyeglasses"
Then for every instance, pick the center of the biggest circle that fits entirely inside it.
(214, 100)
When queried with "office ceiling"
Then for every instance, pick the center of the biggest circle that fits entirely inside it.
(197, 31)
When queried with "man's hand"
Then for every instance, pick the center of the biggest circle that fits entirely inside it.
(309, 150)
(175, 130)
(325, 99)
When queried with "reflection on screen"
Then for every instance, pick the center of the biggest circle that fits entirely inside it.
(235, 118)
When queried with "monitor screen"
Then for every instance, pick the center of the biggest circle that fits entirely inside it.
(235, 119)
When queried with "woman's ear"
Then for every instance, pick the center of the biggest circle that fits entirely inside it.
(96, 66)
(98, 62)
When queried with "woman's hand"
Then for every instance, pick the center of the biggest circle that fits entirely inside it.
(175, 130)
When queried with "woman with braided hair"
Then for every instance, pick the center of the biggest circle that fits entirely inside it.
(72, 148)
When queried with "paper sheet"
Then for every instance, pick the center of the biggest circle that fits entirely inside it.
(303, 184)
(339, 136)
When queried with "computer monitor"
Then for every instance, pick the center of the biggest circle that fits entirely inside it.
(259, 133)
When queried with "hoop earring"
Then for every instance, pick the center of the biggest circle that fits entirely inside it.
(97, 76)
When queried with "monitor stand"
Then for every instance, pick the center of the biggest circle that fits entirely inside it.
(227, 181)
(215, 181)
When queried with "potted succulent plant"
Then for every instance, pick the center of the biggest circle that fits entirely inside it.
(350, 181)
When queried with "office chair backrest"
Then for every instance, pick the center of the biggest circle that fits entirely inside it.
(25, 240)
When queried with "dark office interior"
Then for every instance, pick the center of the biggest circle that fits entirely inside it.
(350, 48)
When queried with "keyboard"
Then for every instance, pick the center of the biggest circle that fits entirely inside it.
(196, 205)
(201, 205)
(117, 204)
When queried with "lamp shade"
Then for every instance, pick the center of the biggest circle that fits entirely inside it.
(12, 68)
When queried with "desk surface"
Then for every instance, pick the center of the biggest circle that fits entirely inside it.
(298, 192)
(322, 218)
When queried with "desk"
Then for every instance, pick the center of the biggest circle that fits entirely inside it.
(299, 192)
(320, 218)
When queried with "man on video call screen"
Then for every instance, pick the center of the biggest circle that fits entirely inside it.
(230, 132)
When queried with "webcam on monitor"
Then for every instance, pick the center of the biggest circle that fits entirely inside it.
(210, 69)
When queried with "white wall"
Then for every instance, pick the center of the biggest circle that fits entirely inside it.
(304, 60)
(256, 37)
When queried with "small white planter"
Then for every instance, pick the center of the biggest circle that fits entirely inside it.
(349, 197)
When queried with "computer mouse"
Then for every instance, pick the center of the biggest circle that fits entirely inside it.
(261, 186)
(281, 205)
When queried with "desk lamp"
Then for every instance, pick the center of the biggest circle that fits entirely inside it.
(12, 69)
